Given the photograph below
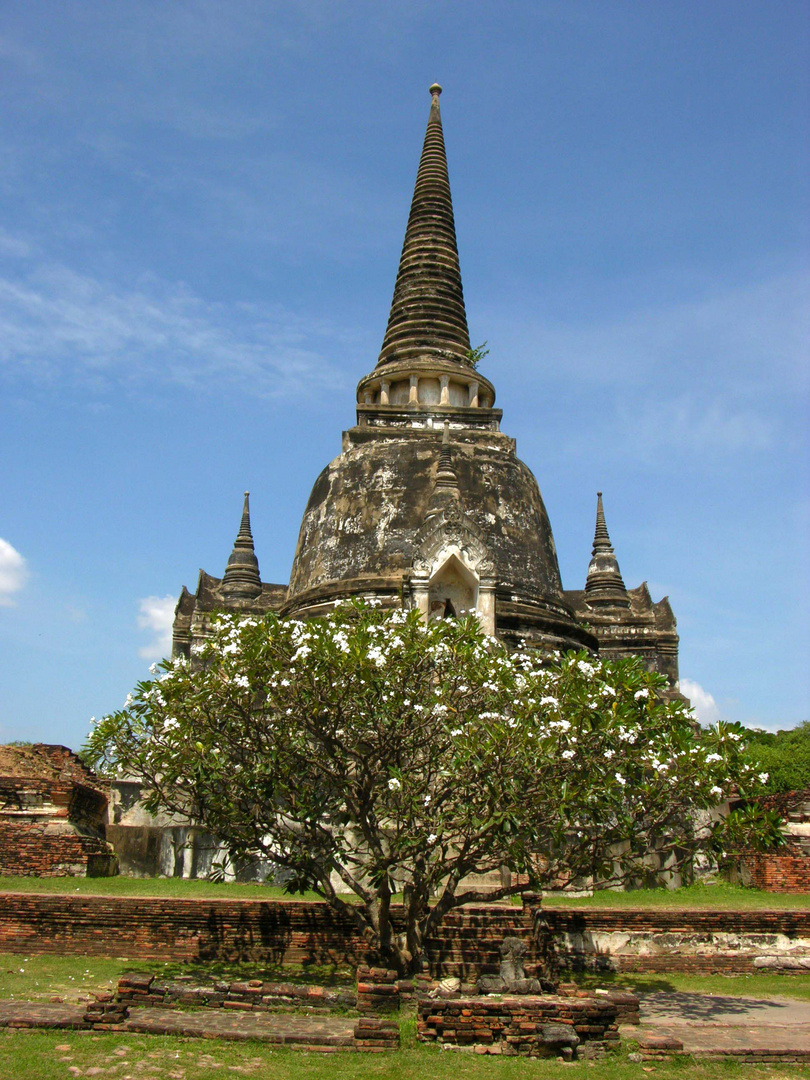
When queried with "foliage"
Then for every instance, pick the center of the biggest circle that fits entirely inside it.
(476, 355)
(371, 753)
(747, 829)
(784, 755)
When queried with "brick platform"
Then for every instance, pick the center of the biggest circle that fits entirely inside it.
(322, 1033)
(143, 989)
(466, 945)
(546, 1026)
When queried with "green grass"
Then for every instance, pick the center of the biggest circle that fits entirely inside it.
(35, 977)
(181, 888)
(61, 1055)
(42, 1055)
(39, 977)
(721, 896)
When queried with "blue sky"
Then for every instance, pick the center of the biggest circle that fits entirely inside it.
(202, 211)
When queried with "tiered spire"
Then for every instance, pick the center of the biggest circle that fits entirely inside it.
(427, 317)
(604, 584)
(241, 578)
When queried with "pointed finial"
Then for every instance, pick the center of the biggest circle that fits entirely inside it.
(601, 540)
(244, 526)
(435, 90)
(604, 583)
(241, 579)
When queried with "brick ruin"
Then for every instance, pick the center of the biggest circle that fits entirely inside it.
(53, 813)
(786, 870)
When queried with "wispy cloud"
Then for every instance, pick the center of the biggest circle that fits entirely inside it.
(13, 573)
(58, 325)
(156, 616)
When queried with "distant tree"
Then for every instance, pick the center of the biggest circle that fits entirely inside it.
(375, 754)
(783, 755)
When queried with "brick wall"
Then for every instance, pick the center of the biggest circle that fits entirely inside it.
(788, 873)
(41, 848)
(52, 814)
(301, 932)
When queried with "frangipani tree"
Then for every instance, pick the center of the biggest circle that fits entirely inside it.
(373, 754)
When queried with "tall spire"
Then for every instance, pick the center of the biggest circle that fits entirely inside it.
(427, 316)
(241, 578)
(604, 584)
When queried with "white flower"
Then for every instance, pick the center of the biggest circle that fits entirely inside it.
(763, 777)
(427, 800)
(432, 838)
(718, 791)
(620, 778)
(639, 694)
(170, 724)
(609, 754)
(608, 691)
(456, 732)
(568, 754)
(394, 784)
(713, 757)
(243, 681)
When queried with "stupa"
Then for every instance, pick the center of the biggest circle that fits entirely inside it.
(428, 505)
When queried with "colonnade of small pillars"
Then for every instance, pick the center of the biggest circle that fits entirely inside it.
(413, 393)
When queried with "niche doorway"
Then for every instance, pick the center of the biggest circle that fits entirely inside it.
(453, 589)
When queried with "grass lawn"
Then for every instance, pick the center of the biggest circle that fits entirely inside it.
(62, 1055)
(42, 1055)
(181, 888)
(721, 896)
(40, 977)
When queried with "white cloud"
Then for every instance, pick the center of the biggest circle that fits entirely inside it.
(13, 572)
(156, 615)
(704, 706)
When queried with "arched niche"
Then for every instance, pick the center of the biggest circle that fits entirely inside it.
(452, 589)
